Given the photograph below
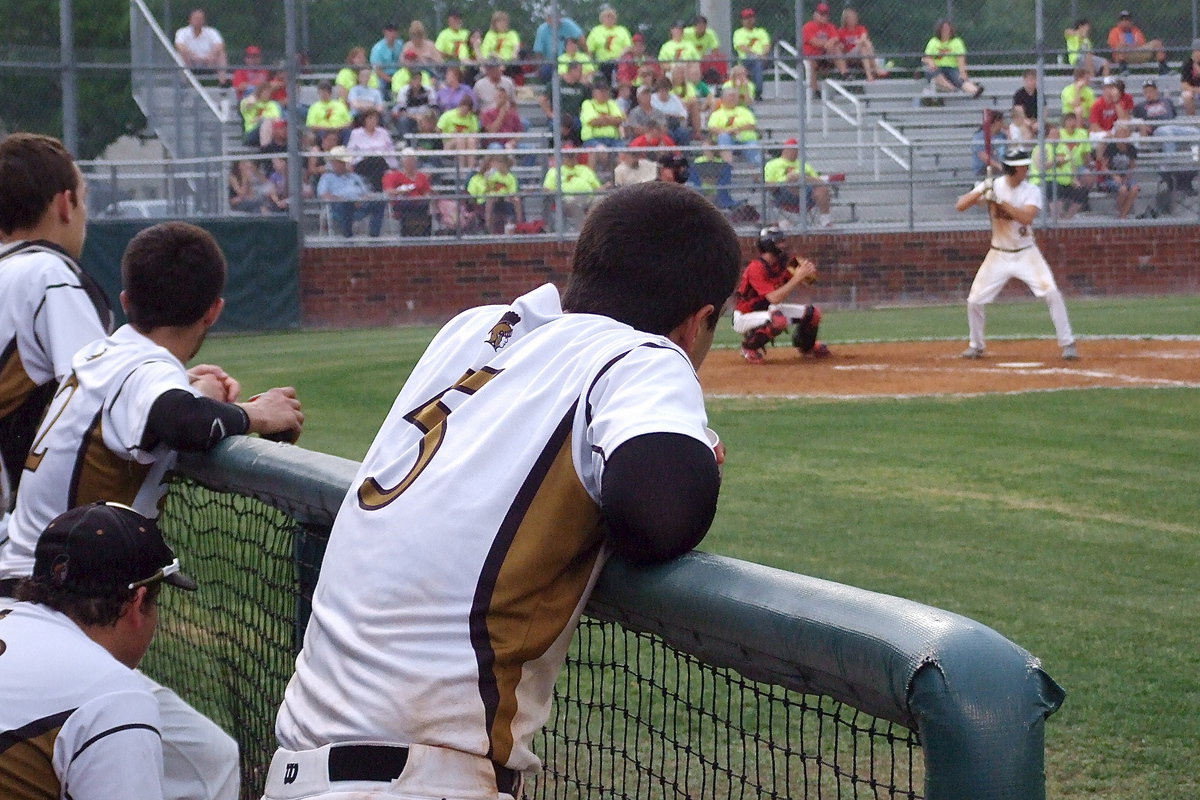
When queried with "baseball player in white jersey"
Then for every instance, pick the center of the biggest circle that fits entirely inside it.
(1013, 204)
(113, 429)
(49, 307)
(530, 440)
(75, 720)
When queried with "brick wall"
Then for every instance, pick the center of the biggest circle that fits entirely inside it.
(365, 286)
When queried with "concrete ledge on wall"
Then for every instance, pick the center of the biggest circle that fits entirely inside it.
(372, 286)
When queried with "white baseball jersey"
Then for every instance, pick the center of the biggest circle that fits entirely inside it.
(1008, 234)
(464, 553)
(48, 310)
(88, 447)
(74, 721)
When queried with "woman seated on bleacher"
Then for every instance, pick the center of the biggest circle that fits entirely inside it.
(945, 61)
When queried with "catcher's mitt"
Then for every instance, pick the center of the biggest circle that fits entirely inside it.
(795, 263)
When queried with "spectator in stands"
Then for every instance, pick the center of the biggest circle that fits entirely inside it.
(249, 190)
(328, 114)
(739, 80)
(1051, 167)
(608, 41)
(201, 47)
(678, 51)
(347, 77)
(427, 130)
(1079, 48)
(785, 174)
(712, 176)
(979, 159)
(856, 41)
(686, 92)
(251, 74)
(372, 148)
(452, 90)
(405, 75)
(1189, 79)
(385, 58)
(280, 199)
(452, 41)
(258, 114)
(1025, 105)
(1113, 106)
(278, 141)
(1074, 136)
(314, 164)
(572, 91)
(945, 61)
(752, 47)
(734, 124)
(634, 62)
(600, 121)
(1078, 95)
(500, 195)
(363, 97)
(501, 126)
(573, 55)
(1157, 108)
(702, 37)
(633, 167)
(410, 187)
(420, 51)
(655, 136)
(642, 114)
(1129, 46)
(1116, 162)
(460, 127)
(670, 106)
(579, 186)
(411, 102)
(346, 192)
(547, 48)
(822, 48)
(503, 44)
(494, 81)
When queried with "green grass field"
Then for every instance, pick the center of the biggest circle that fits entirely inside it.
(1068, 521)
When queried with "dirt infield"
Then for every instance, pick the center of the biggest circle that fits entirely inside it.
(906, 369)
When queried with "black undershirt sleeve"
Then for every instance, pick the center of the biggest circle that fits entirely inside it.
(659, 496)
(183, 421)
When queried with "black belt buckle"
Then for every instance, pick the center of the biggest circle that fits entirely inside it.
(385, 762)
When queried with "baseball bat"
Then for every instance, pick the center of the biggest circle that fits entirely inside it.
(987, 139)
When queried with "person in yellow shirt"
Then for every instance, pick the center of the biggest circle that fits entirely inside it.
(678, 51)
(259, 113)
(702, 37)
(734, 124)
(600, 121)
(502, 44)
(328, 114)
(784, 173)
(752, 46)
(579, 186)
(347, 77)
(460, 129)
(573, 55)
(1078, 95)
(495, 188)
(945, 61)
(608, 41)
(451, 42)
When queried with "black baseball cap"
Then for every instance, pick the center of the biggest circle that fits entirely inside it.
(103, 547)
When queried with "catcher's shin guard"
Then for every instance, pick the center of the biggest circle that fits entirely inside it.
(804, 335)
(758, 338)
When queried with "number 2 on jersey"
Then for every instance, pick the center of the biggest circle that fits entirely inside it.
(430, 419)
(66, 392)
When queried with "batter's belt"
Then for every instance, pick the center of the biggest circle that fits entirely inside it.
(1007, 250)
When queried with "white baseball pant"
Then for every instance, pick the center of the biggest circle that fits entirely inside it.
(748, 321)
(1029, 267)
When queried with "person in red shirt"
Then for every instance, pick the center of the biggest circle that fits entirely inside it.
(408, 184)
(655, 136)
(857, 42)
(1112, 105)
(761, 311)
(247, 77)
(822, 47)
(632, 60)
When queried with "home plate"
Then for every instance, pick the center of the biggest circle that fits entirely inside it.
(1020, 364)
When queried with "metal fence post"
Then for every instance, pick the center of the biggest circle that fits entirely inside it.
(70, 76)
(295, 190)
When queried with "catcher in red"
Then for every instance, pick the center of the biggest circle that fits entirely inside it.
(761, 311)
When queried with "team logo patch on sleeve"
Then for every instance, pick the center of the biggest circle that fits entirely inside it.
(502, 331)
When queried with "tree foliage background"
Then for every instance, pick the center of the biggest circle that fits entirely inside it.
(30, 96)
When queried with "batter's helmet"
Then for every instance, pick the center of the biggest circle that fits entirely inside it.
(769, 239)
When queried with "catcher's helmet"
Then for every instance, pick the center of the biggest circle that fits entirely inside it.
(770, 239)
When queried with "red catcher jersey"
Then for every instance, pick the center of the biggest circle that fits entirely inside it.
(463, 555)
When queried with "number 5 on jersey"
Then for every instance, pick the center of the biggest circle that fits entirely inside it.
(430, 419)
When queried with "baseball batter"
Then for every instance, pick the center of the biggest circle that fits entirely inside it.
(49, 307)
(75, 720)
(530, 441)
(114, 427)
(1013, 203)
(761, 313)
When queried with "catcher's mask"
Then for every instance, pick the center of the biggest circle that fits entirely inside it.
(770, 239)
